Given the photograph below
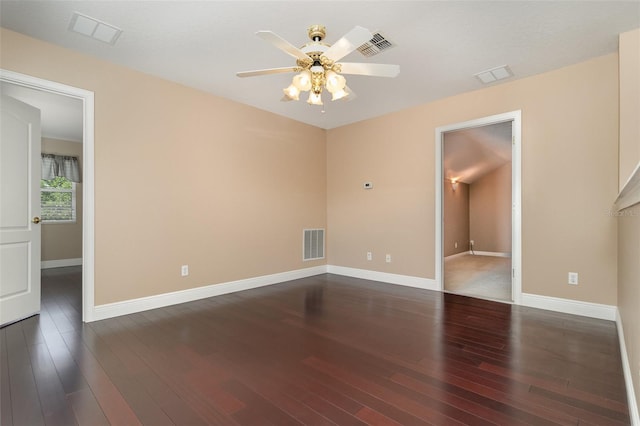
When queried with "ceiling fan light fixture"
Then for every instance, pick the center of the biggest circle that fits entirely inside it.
(292, 92)
(314, 99)
(334, 81)
(318, 67)
(302, 81)
(339, 94)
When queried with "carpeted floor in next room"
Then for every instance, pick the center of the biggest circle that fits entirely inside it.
(487, 277)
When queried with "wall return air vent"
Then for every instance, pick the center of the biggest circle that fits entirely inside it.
(313, 244)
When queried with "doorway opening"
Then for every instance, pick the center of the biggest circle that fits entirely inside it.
(26, 86)
(478, 227)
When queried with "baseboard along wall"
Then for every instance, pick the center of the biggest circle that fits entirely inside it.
(491, 253)
(575, 307)
(60, 263)
(628, 379)
(132, 306)
(406, 280)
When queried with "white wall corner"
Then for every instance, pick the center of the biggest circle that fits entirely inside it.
(60, 263)
(568, 306)
(406, 280)
(628, 378)
(132, 306)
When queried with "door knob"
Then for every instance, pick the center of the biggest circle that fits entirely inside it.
(36, 220)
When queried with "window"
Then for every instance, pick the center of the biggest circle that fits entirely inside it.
(58, 200)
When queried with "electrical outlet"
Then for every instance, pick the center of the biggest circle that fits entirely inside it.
(388, 258)
(573, 278)
(184, 270)
(472, 242)
(369, 255)
(455, 245)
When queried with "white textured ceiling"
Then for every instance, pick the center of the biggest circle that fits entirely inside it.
(440, 45)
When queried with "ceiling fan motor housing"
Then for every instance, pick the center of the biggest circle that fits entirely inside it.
(317, 32)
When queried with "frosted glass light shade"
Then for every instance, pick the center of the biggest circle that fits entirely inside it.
(292, 92)
(314, 99)
(339, 94)
(302, 81)
(335, 82)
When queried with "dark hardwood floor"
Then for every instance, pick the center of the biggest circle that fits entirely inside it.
(318, 351)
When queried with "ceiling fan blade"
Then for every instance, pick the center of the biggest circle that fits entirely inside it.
(375, 70)
(282, 44)
(348, 43)
(267, 71)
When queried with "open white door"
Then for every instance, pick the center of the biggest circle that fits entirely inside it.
(19, 210)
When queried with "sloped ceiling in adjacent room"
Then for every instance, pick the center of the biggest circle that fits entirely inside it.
(470, 154)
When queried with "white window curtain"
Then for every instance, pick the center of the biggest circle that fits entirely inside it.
(60, 165)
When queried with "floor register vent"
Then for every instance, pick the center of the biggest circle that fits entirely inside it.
(313, 244)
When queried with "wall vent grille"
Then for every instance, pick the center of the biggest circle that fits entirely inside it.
(313, 244)
(376, 45)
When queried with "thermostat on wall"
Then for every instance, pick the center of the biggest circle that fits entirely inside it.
(368, 185)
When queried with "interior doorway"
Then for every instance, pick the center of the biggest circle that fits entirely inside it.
(478, 229)
(25, 86)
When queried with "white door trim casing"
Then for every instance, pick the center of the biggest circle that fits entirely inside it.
(516, 196)
(88, 221)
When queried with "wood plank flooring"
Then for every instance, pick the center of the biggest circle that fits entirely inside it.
(325, 350)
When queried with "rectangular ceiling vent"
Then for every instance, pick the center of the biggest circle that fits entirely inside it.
(94, 28)
(494, 74)
(313, 244)
(376, 45)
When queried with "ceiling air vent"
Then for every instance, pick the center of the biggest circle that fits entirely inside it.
(376, 45)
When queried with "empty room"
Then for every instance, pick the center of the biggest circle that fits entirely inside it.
(316, 213)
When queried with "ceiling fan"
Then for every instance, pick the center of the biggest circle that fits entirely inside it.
(317, 65)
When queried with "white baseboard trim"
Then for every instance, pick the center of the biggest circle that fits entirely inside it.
(406, 280)
(110, 310)
(60, 263)
(491, 253)
(568, 306)
(453, 256)
(628, 378)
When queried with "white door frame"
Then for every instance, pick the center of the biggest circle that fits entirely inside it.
(516, 196)
(88, 223)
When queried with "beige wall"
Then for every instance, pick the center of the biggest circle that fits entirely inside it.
(184, 177)
(569, 180)
(456, 218)
(490, 211)
(629, 47)
(242, 183)
(629, 219)
(63, 240)
(629, 287)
